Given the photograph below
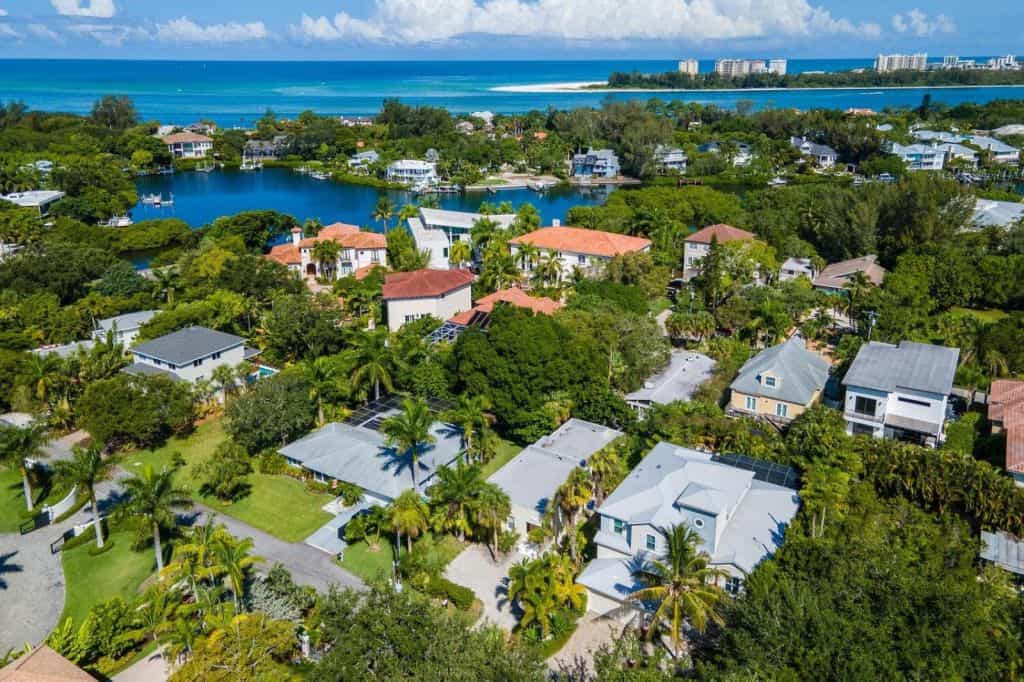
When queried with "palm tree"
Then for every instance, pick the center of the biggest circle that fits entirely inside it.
(409, 431)
(453, 496)
(372, 361)
(18, 446)
(471, 417)
(234, 561)
(682, 584)
(167, 280)
(324, 374)
(43, 370)
(548, 270)
(607, 470)
(460, 253)
(491, 508)
(996, 363)
(528, 256)
(86, 470)
(408, 516)
(325, 252)
(384, 211)
(152, 498)
(226, 379)
(572, 496)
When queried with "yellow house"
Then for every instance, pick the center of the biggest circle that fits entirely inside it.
(779, 383)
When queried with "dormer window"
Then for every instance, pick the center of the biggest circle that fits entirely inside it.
(769, 381)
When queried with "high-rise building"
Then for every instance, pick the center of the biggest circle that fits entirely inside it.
(777, 66)
(689, 67)
(901, 62)
(732, 68)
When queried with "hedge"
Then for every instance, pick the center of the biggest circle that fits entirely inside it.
(461, 597)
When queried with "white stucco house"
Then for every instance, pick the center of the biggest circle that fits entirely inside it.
(426, 293)
(412, 172)
(435, 230)
(576, 248)
(188, 145)
(125, 328)
(189, 354)
(361, 251)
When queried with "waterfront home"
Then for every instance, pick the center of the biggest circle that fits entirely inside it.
(575, 249)
(190, 354)
(919, 156)
(412, 172)
(263, 150)
(822, 155)
(125, 328)
(595, 163)
(685, 372)
(360, 251)
(739, 515)
(188, 145)
(426, 293)
(1000, 151)
(670, 158)
(743, 156)
(532, 478)
(953, 152)
(355, 121)
(435, 230)
(990, 213)
(361, 456)
(797, 267)
(697, 245)
(480, 314)
(40, 199)
(201, 128)
(1006, 414)
(835, 278)
(779, 383)
(363, 159)
(900, 391)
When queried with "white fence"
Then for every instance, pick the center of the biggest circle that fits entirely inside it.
(62, 507)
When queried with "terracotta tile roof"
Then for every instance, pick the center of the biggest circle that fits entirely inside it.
(1006, 407)
(424, 283)
(43, 664)
(517, 297)
(285, 254)
(363, 272)
(178, 138)
(349, 236)
(836, 275)
(580, 240)
(724, 233)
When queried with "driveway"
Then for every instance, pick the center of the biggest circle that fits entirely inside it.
(60, 450)
(473, 568)
(592, 632)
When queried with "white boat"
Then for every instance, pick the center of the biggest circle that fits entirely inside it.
(165, 202)
(118, 221)
(249, 164)
(205, 168)
(152, 199)
(320, 175)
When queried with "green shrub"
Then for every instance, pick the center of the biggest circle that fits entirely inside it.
(272, 463)
(442, 588)
(86, 536)
(96, 551)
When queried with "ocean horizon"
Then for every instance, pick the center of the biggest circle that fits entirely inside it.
(236, 93)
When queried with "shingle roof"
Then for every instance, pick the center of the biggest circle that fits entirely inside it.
(836, 275)
(722, 232)
(43, 664)
(580, 240)
(424, 283)
(349, 236)
(185, 345)
(800, 373)
(916, 366)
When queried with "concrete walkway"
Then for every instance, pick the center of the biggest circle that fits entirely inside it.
(152, 668)
(475, 569)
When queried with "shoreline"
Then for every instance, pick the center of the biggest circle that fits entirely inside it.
(590, 86)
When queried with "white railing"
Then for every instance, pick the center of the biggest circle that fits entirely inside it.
(63, 506)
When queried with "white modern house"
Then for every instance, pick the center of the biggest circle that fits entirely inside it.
(576, 249)
(900, 391)
(670, 158)
(532, 477)
(412, 172)
(363, 159)
(426, 293)
(190, 354)
(188, 145)
(125, 328)
(360, 251)
(435, 230)
(39, 199)
(740, 517)
(822, 155)
(595, 163)
(919, 156)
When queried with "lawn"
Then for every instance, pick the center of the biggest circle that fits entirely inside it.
(369, 565)
(279, 505)
(12, 499)
(988, 316)
(506, 451)
(91, 580)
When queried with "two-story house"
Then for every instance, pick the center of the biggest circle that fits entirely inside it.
(435, 230)
(412, 172)
(125, 327)
(779, 383)
(697, 245)
(576, 248)
(190, 354)
(794, 268)
(188, 145)
(900, 391)
(596, 163)
(426, 293)
(919, 156)
(739, 515)
(359, 251)
(670, 158)
(836, 277)
(822, 155)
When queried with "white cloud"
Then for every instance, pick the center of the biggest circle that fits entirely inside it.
(8, 32)
(186, 30)
(109, 35)
(100, 9)
(3, 12)
(921, 25)
(420, 21)
(41, 31)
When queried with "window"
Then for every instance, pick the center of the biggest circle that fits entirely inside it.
(410, 318)
(769, 381)
(651, 542)
(215, 356)
(582, 260)
(751, 403)
(197, 363)
(781, 410)
(620, 526)
(733, 585)
(864, 405)
(862, 430)
(698, 523)
(922, 403)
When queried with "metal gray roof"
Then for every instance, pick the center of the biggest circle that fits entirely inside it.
(685, 372)
(799, 373)
(996, 213)
(142, 369)
(916, 366)
(187, 345)
(126, 321)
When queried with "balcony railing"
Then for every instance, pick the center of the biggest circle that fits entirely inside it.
(866, 416)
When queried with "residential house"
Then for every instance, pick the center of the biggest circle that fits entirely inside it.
(190, 354)
(355, 121)
(685, 372)
(426, 293)
(1006, 413)
(954, 152)
(834, 278)
(900, 391)
(822, 155)
(435, 230)
(125, 328)
(360, 251)
(188, 145)
(412, 172)
(263, 150)
(43, 664)
(797, 267)
(919, 156)
(779, 383)
(697, 245)
(739, 516)
(743, 156)
(999, 150)
(40, 199)
(670, 158)
(201, 128)
(532, 477)
(363, 159)
(480, 314)
(989, 213)
(1004, 550)
(596, 163)
(576, 249)
(465, 127)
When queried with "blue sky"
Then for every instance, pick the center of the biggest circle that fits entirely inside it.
(504, 29)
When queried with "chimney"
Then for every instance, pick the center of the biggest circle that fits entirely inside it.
(556, 223)
(296, 235)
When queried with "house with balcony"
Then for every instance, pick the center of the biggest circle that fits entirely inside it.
(575, 249)
(596, 163)
(670, 158)
(188, 145)
(900, 391)
(359, 252)
(822, 155)
(362, 160)
(412, 172)
(919, 156)
(435, 230)
(697, 245)
(189, 354)
(779, 383)
(410, 296)
(741, 518)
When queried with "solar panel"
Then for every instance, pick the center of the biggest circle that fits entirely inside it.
(449, 331)
(374, 412)
(769, 472)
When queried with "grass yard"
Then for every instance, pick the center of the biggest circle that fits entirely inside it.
(91, 580)
(369, 565)
(506, 451)
(989, 316)
(12, 499)
(279, 505)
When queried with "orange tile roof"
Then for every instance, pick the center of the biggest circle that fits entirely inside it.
(580, 240)
(349, 236)
(285, 254)
(364, 272)
(724, 233)
(517, 297)
(1006, 407)
(424, 283)
(178, 138)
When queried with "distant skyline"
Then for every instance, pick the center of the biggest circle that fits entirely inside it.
(503, 29)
